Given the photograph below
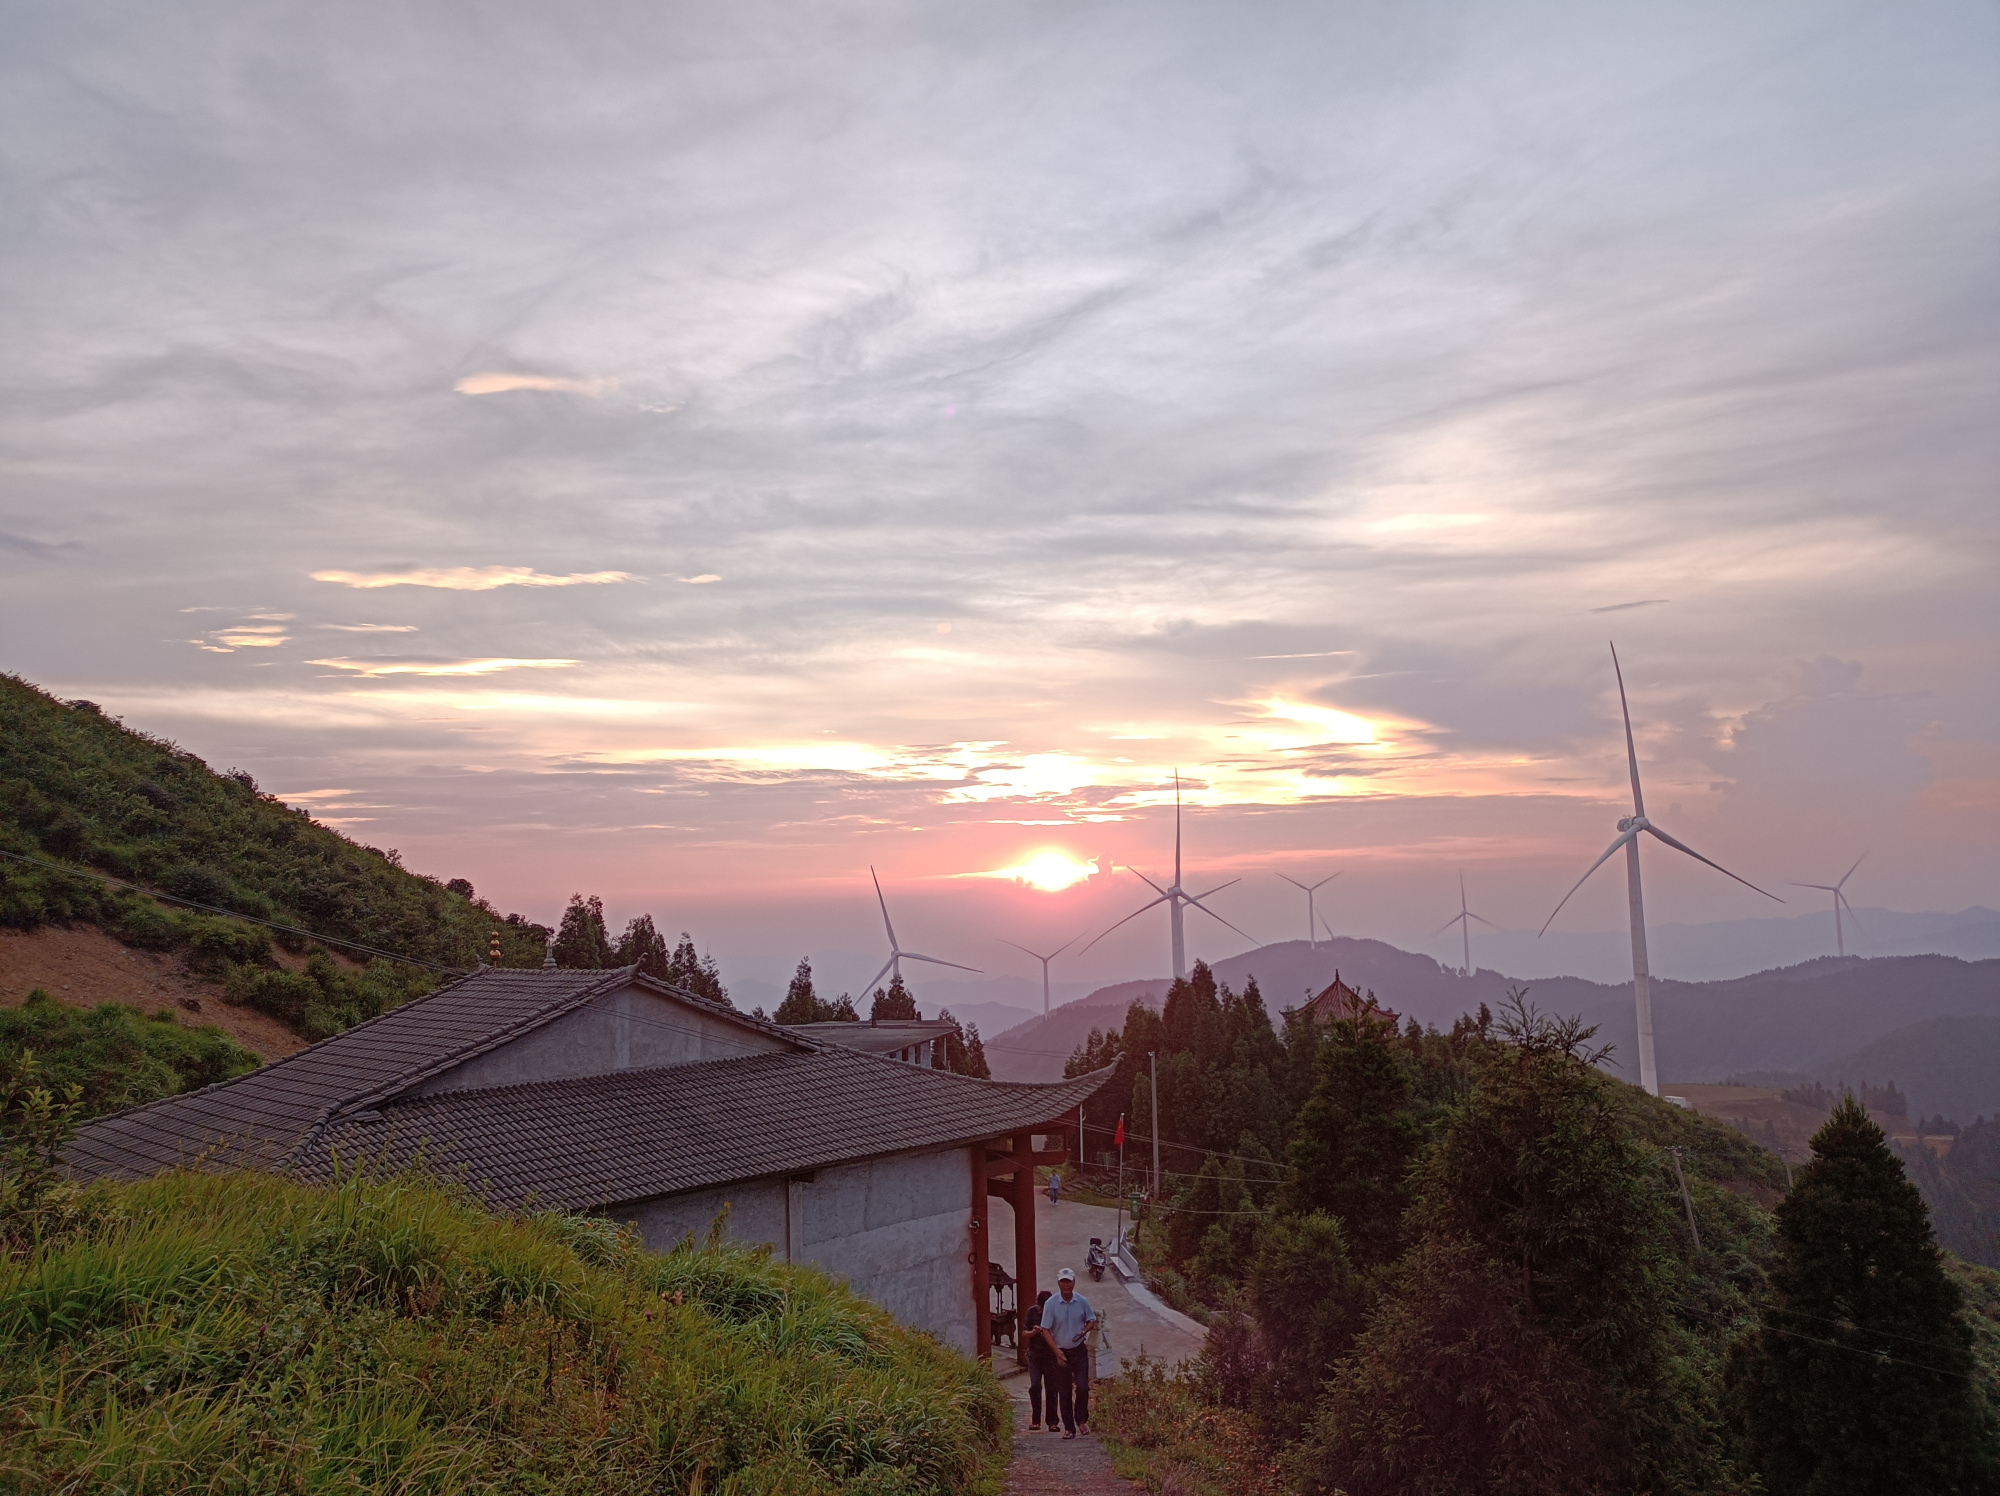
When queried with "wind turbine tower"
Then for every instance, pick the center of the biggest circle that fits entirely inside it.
(897, 955)
(1045, 960)
(1176, 898)
(1628, 837)
(1312, 939)
(1463, 919)
(1839, 903)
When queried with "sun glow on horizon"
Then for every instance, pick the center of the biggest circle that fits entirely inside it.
(1050, 870)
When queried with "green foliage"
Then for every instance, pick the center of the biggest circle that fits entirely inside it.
(895, 1003)
(1962, 1190)
(964, 1050)
(78, 787)
(35, 1123)
(581, 942)
(112, 1057)
(803, 1005)
(1353, 1141)
(1860, 1376)
(240, 1332)
(327, 996)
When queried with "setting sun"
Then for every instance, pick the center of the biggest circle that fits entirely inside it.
(1051, 871)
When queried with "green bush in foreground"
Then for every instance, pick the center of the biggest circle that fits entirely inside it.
(244, 1333)
(113, 1056)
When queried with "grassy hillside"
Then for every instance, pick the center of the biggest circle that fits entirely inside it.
(241, 1333)
(80, 789)
(113, 1056)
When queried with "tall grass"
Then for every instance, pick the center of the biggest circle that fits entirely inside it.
(241, 1333)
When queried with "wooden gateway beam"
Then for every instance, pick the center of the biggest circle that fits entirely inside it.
(1009, 1173)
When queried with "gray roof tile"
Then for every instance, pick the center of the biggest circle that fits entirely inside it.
(564, 1143)
(581, 1144)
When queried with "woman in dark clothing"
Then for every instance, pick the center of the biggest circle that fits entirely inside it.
(1045, 1368)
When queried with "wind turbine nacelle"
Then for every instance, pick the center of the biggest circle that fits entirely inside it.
(1634, 823)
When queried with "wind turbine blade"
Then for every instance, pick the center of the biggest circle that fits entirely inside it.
(1213, 915)
(1296, 884)
(1133, 915)
(1177, 828)
(1631, 753)
(1448, 924)
(1325, 927)
(935, 961)
(878, 975)
(1324, 881)
(1822, 887)
(885, 910)
(1483, 920)
(1623, 837)
(1850, 910)
(1147, 881)
(1850, 872)
(1213, 891)
(1681, 846)
(1036, 954)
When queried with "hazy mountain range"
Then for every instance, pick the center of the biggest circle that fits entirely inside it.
(1886, 1015)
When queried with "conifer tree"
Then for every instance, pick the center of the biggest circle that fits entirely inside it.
(696, 973)
(801, 1004)
(1353, 1140)
(1860, 1377)
(642, 946)
(896, 1002)
(964, 1054)
(581, 941)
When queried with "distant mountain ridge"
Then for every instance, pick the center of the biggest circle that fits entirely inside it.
(1792, 1018)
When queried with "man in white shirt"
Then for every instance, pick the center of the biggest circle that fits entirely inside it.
(1068, 1318)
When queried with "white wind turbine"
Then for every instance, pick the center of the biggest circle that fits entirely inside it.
(1463, 919)
(1175, 897)
(897, 955)
(1839, 903)
(1628, 837)
(1312, 940)
(1045, 960)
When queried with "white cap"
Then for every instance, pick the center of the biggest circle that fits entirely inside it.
(1067, 1275)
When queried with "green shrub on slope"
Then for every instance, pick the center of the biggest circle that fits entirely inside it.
(243, 1333)
(79, 787)
(114, 1056)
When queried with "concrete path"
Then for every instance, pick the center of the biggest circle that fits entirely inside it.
(1046, 1463)
(1137, 1321)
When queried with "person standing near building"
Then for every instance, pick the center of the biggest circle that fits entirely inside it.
(1045, 1368)
(1055, 1187)
(1068, 1318)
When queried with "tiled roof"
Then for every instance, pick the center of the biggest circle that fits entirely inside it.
(580, 1144)
(259, 1119)
(876, 1038)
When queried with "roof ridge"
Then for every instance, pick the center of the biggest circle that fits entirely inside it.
(283, 1060)
(472, 1049)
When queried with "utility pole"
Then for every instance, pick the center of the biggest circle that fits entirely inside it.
(1121, 1176)
(1154, 1097)
(1686, 1198)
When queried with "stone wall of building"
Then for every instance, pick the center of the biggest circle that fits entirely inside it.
(896, 1229)
(630, 1029)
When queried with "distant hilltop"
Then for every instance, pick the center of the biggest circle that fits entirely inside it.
(1794, 1019)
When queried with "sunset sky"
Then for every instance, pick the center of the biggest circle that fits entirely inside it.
(692, 453)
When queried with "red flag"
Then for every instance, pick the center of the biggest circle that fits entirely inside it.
(1118, 1140)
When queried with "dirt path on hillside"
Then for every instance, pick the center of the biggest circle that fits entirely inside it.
(82, 966)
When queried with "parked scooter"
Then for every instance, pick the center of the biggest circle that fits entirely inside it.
(1095, 1259)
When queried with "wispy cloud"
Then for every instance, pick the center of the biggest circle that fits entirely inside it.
(500, 384)
(705, 577)
(473, 578)
(370, 628)
(1644, 602)
(373, 669)
(41, 550)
